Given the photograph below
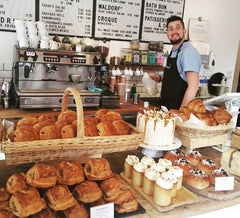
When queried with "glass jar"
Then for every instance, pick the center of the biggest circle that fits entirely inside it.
(134, 44)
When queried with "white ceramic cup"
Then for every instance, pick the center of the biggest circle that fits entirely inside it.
(44, 44)
(34, 41)
(54, 45)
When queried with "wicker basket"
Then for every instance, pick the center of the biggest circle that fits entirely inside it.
(196, 131)
(45, 150)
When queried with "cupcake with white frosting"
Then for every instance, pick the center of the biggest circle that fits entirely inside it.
(149, 180)
(138, 174)
(158, 167)
(162, 192)
(147, 160)
(170, 177)
(165, 162)
(178, 173)
(128, 165)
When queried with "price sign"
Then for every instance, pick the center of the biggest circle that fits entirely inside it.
(67, 17)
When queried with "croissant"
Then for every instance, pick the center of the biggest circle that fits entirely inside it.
(222, 116)
(196, 105)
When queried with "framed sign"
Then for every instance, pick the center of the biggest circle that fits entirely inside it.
(11, 10)
(155, 17)
(67, 17)
(118, 19)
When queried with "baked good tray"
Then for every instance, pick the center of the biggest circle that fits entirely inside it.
(184, 197)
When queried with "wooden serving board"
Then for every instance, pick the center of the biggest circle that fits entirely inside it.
(184, 196)
(210, 192)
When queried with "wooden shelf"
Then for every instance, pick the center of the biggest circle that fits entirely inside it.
(134, 67)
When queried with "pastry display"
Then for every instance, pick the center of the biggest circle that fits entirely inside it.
(59, 197)
(97, 169)
(217, 173)
(87, 192)
(16, 182)
(128, 165)
(70, 172)
(158, 127)
(149, 179)
(26, 202)
(207, 166)
(197, 179)
(162, 192)
(41, 176)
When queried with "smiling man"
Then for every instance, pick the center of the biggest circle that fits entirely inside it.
(180, 80)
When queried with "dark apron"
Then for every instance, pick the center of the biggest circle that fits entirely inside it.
(173, 86)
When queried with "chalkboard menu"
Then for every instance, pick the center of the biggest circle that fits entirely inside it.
(118, 19)
(155, 17)
(11, 10)
(67, 17)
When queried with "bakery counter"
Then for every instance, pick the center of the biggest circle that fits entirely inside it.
(125, 108)
(116, 161)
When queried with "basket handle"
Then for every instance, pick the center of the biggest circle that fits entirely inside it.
(79, 108)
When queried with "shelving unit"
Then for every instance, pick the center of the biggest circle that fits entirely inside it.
(134, 67)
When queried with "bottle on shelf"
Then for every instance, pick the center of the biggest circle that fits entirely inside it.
(133, 90)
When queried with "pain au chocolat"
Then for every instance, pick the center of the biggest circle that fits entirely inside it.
(26, 202)
(76, 211)
(70, 172)
(97, 169)
(16, 182)
(41, 176)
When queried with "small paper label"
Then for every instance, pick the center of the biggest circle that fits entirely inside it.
(224, 183)
(102, 211)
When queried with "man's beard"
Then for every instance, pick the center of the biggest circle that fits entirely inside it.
(175, 42)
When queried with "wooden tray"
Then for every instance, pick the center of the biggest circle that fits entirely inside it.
(210, 192)
(184, 196)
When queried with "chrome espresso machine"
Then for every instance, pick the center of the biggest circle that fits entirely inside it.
(41, 76)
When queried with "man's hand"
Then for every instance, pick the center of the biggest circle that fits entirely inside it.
(154, 77)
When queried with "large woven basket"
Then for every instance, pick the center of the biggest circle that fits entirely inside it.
(196, 131)
(45, 150)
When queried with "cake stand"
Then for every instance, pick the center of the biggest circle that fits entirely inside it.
(156, 151)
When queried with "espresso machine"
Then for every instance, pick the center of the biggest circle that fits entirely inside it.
(41, 76)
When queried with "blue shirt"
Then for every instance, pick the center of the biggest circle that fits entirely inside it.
(188, 59)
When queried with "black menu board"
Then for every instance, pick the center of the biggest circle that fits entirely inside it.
(11, 10)
(67, 17)
(118, 19)
(155, 17)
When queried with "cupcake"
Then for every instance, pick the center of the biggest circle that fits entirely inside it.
(162, 192)
(158, 167)
(165, 162)
(128, 165)
(149, 180)
(178, 173)
(169, 176)
(138, 174)
(147, 160)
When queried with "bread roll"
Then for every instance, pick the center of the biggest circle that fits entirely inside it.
(100, 113)
(122, 127)
(68, 116)
(196, 105)
(106, 129)
(49, 132)
(70, 172)
(27, 121)
(25, 133)
(26, 202)
(41, 176)
(87, 192)
(207, 165)
(60, 198)
(110, 117)
(173, 155)
(197, 179)
(194, 157)
(97, 169)
(217, 173)
(16, 182)
(67, 132)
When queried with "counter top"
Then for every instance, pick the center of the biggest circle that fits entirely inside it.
(125, 108)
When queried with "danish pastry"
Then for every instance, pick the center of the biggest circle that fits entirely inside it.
(70, 172)
(207, 165)
(222, 116)
(110, 117)
(87, 192)
(48, 117)
(41, 176)
(16, 182)
(217, 173)
(106, 129)
(60, 198)
(6, 214)
(25, 133)
(194, 157)
(68, 115)
(197, 179)
(122, 127)
(45, 213)
(76, 211)
(40, 125)
(97, 169)
(91, 131)
(26, 202)
(100, 113)
(49, 132)
(67, 132)
(27, 121)
(90, 121)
